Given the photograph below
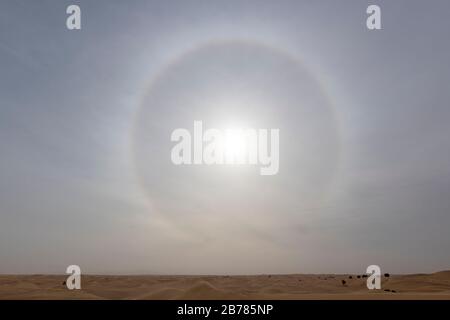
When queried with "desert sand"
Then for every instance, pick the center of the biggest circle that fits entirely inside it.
(295, 286)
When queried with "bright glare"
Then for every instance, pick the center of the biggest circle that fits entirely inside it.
(235, 146)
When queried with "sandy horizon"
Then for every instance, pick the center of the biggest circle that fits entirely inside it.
(241, 287)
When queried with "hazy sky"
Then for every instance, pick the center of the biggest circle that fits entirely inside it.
(86, 117)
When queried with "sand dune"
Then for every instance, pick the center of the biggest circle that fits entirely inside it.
(415, 286)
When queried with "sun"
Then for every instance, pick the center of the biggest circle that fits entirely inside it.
(235, 146)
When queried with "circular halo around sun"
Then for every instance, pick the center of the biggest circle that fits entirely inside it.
(235, 85)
